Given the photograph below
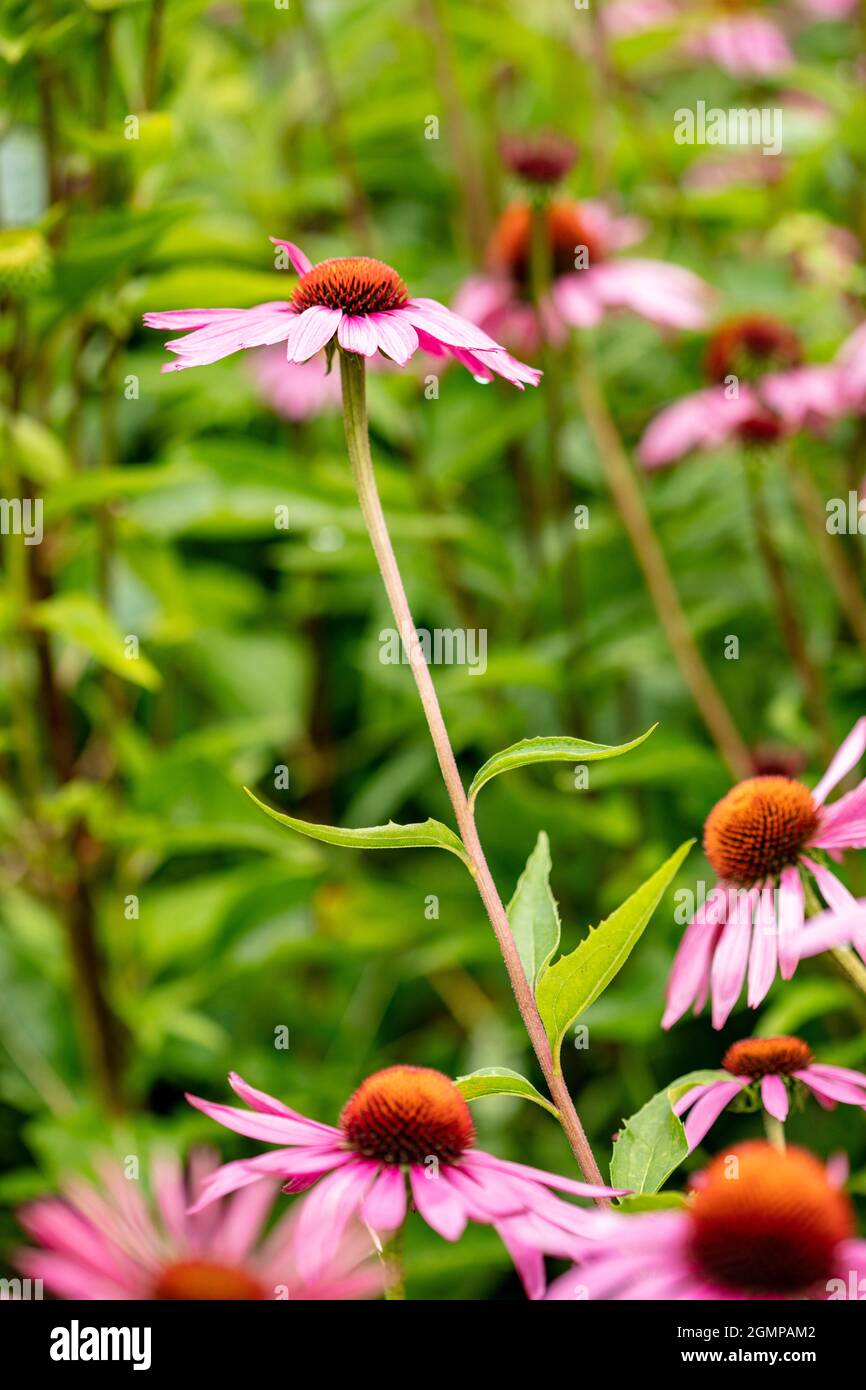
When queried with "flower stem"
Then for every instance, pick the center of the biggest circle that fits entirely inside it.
(851, 965)
(786, 611)
(394, 1260)
(629, 499)
(358, 443)
(842, 574)
(775, 1132)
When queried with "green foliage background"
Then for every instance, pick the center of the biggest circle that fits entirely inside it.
(309, 122)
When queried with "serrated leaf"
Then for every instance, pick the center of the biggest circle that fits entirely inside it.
(575, 981)
(533, 914)
(547, 750)
(431, 833)
(653, 1142)
(83, 621)
(500, 1081)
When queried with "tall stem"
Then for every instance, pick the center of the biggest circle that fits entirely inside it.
(775, 1132)
(629, 499)
(786, 611)
(843, 576)
(358, 443)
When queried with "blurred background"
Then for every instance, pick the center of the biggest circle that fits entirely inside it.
(172, 639)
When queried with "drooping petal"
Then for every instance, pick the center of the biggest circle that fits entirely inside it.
(708, 1109)
(248, 328)
(446, 327)
(326, 1211)
(668, 295)
(356, 333)
(792, 911)
(384, 1206)
(703, 420)
(397, 337)
(528, 1258)
(763, 958)
(774, 1097)
(732, 956)
(691, 968)
(832, 1087)
(692, 1095)
(574, 300)
(438, 1203)
(310, 331)
(477, 1158)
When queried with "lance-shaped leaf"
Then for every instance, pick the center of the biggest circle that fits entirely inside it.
(499, 1081)
(431, 833)
(575, 981)
(653, 1142)
(547, 750)
(532, 913)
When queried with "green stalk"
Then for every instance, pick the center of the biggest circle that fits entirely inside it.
(352, 369)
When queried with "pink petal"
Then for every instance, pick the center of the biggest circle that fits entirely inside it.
(856, 1078)
(384, 1207)
(188, 318)
(357, 334)
(273, 1129)
(708, 1110)
(437, 1203)
(694, 1093)
(774, 1097)
(324, 1214)
(310, 331)
(574, 300)
(665, 294)
(732, 957)
(763, 958)
(301, 262)
(478, 1158)
(691, 968)
(847, 757)
(703, 420)
(269, 1105)
(446, 327)
(528, 1258)
(792, 911)
(831, 1087)
(396, 335)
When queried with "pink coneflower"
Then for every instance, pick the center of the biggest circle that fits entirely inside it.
(743, 42)
(757, 839)
(587, 282)
(402, 1123)
(769, 1068)
(111, 1243)
(764, 394)
(760, 1225)
(353, 301)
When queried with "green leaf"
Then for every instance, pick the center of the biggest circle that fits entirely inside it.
(653, 1142)
(391, 836)
(499, 1081)
(547, 750)
(533, 914)
(83, 621)
(576, 980)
